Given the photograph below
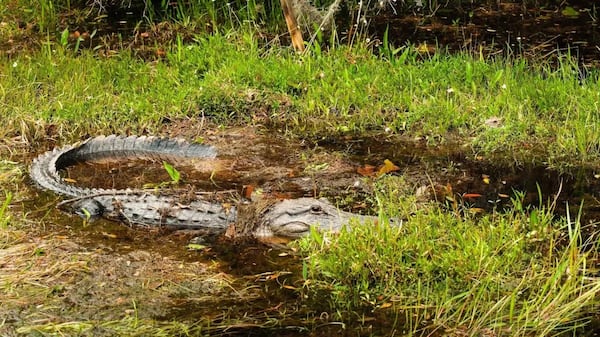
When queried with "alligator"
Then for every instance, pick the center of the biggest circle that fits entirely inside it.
(290, 218)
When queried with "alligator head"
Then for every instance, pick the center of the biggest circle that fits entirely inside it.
(88, 208)
(293, 218)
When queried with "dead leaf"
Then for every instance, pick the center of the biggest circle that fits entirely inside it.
(476, 210)
(485, 178)
(493, 122)
(247, 191)
(283, 195)
(155, 284)
(109, 235)
(447, 191)
(366, 171)
(230, 231)
(69, 180)
(385, 305)
(471, 195)
(387, 167)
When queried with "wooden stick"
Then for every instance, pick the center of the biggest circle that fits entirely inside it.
(292, 24)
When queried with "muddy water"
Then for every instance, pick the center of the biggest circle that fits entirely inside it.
(291, 169)
(507, 29)
(480, 185)
(476, 185)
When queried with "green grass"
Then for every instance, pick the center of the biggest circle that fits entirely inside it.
(513, 273)
(546, 116)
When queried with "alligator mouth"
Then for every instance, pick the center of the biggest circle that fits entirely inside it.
(293, 229)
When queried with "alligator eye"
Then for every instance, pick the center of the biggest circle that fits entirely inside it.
(316, 209)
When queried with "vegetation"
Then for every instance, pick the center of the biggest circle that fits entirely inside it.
(515, 273)
(438, 268)
(227, 78)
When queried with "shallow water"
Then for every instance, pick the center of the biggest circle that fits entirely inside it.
(277, 305)
(507, 29)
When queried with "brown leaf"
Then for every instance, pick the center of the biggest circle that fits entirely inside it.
(230, 232)
(385, 305)
(109, 235)
(476, 210)
(247, 191)
(366, 171)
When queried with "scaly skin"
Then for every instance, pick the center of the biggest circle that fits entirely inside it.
(44, 169)
(291, 218)
(288, 218)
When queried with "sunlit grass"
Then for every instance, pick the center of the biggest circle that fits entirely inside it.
(544, 114)
(512, 273)
(128, 326)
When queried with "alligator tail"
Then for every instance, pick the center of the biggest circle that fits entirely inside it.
(45, 168)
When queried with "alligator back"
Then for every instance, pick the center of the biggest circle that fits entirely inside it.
(45, 168)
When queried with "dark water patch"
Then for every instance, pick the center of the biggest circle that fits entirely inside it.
(480, 184)
(508, 29)
(139, 174)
